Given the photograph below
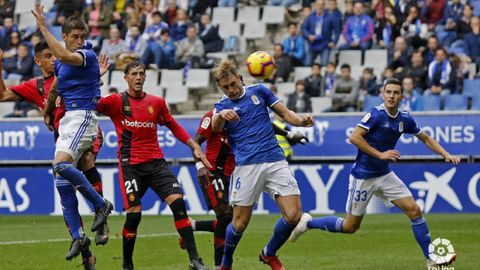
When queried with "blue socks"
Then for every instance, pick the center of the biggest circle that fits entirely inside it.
(69, 202)
(78, 179)
(281, 232)
(231, 240)
(330, 223)
(421, 233)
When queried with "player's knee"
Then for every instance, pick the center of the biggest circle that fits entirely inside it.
(293, 217)
(350, 228)
(59, 167)
(240, 225)
(222, 210)
(414, 211)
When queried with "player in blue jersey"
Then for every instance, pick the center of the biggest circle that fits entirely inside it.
(375, 137)
(259, 161)
(78, 78)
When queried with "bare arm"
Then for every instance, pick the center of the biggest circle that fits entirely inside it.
(61, 53)
(437, 148)
(218, 120)
(357, 139)
(291, 117)
(5, 93)
(199, 139)
(52, 96)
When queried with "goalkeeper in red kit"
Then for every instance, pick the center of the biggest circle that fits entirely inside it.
(136, 115)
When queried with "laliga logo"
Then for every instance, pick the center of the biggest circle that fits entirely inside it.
(436, 186)
(315, 134)
(441, 251)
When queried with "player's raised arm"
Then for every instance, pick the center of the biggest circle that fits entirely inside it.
(357, 139)
(5, 93)
(60, 52)
(291, 117)
(437, 148)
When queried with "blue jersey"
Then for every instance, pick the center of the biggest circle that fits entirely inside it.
(252, 138)
(383, 132)
(79, 85)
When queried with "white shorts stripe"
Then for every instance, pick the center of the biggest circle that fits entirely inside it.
(81, 130)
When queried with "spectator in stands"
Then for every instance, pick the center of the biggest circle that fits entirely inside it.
(163, 4)
(178, 30)
(441, 75)
(317, 29)
(432, 12)
(294, 46)
(208, 33)
(313, 83)
(330, 78)
(429, 53)
(284, 3)
(399, 56)
(227, 3)
(98, 18)
(387, 29)
(283, 63)
(20, 66)
(7, 8)
(336, 16)
(348, 10)
(401, 10)
(171, 12)
(378, 9)
(67, 8)
(417, 70)
(367, 86)
(453, 10)
(463, 25)
(190, 49)
(358, 30)
(413, 29)
(472, 41)
(113, 47)
(23, 108)
(152, 31)
(345, 91)
(12, 47)
(387, 74)
(161, 53)
(6, 32)
(147, 13)
(134, 47)
(34, 40)
(412, 101)
(299, 101)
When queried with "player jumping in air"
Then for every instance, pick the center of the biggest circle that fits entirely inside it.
(136, 115)
(375, 137)
(260, 163)
(78, 79)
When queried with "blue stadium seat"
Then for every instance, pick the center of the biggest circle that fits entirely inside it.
(475, 103)
(431, 103)
(371, 101)
(56, 32)
(471, 88)
(456, 103)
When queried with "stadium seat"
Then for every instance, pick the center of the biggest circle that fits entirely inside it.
(56, 32)
(151, 83)
(225, 30)
(371, 101)
(273, 15)
(26, 20)
(476, 7)
(285, 89)
(171, 78)
(356, 72)
(176, 94)
(456, 103)
(431, 103)
(321, 104)
(6, 108)
(25, 6)
(117, 80)
(198, 78)
(255, 30)
(48, 4)
(475, 103)
(471, 88)
(351, 57)
(248, 14)
(376, 59)
(300, 73)
(223, 15)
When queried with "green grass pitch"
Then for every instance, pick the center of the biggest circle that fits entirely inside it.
(383, 242)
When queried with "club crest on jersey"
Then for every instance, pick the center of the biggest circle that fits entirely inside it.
(255, 100)
(150, 109)
(400, 127)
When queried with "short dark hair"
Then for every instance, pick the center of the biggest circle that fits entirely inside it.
(278, 44)
(317, 64)
(72, 23)
(346, 66)
(300, 82)
(443, 50)
(394, 81)
(164, 31)
(290, 24)
(132, 65)
(157, 13)
(42, 45)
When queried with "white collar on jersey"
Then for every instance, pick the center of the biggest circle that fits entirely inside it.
(243, 94)
(382, 107)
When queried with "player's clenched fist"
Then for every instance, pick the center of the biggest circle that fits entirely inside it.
(391, 155)
(307, 120)
(229, 115)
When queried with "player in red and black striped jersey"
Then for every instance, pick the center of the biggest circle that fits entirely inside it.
(37, 91)
(136, 115)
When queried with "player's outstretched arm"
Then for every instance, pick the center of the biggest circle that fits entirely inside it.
(61, 53)
(5, 93)
(437, 148)
(293, 137)
(291, 117)
(357, 139)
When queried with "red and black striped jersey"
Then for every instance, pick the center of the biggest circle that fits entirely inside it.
(218, 151)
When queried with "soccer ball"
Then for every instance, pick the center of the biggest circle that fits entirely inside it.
(260, 65)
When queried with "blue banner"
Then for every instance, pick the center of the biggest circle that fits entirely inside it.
(28, 140)
(437, 187)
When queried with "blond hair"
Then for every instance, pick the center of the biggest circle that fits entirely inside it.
(224, 69)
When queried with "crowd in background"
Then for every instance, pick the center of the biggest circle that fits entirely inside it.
(430, 43)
